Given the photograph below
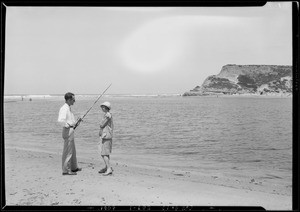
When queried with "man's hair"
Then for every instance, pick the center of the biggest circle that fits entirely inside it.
(69, 95)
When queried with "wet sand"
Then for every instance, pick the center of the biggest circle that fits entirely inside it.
(33, 177)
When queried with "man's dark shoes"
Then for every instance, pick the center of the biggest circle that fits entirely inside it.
(69, 173)
(77, 170)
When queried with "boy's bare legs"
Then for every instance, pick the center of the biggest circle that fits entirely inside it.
(106, 160)
(107, 164)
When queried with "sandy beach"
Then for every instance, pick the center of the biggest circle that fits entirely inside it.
(34, 178)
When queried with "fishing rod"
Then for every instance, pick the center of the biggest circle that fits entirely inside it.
(80, 119)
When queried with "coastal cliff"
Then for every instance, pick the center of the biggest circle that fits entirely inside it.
(246, 79)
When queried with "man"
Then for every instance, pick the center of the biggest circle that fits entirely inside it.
(67, 121)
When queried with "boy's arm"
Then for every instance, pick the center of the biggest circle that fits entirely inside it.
(105, 121)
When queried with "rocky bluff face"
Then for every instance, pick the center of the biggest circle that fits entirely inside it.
(241, 79)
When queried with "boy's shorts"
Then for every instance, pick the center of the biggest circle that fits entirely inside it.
(105, 147)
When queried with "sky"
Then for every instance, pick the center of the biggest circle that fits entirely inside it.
(140, 50)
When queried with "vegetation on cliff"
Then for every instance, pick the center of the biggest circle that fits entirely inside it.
(241, 79)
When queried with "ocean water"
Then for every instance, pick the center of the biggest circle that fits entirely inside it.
(236, 136)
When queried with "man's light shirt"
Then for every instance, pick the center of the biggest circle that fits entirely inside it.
(66, 117)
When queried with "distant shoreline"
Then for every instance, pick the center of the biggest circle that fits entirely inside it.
(41, 96)
(270, 95)
(191, 94)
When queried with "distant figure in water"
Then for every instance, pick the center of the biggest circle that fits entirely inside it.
(30, 99)
(106, 134)
(67, 120)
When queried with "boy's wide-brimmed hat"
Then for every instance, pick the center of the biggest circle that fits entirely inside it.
(106, 104)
